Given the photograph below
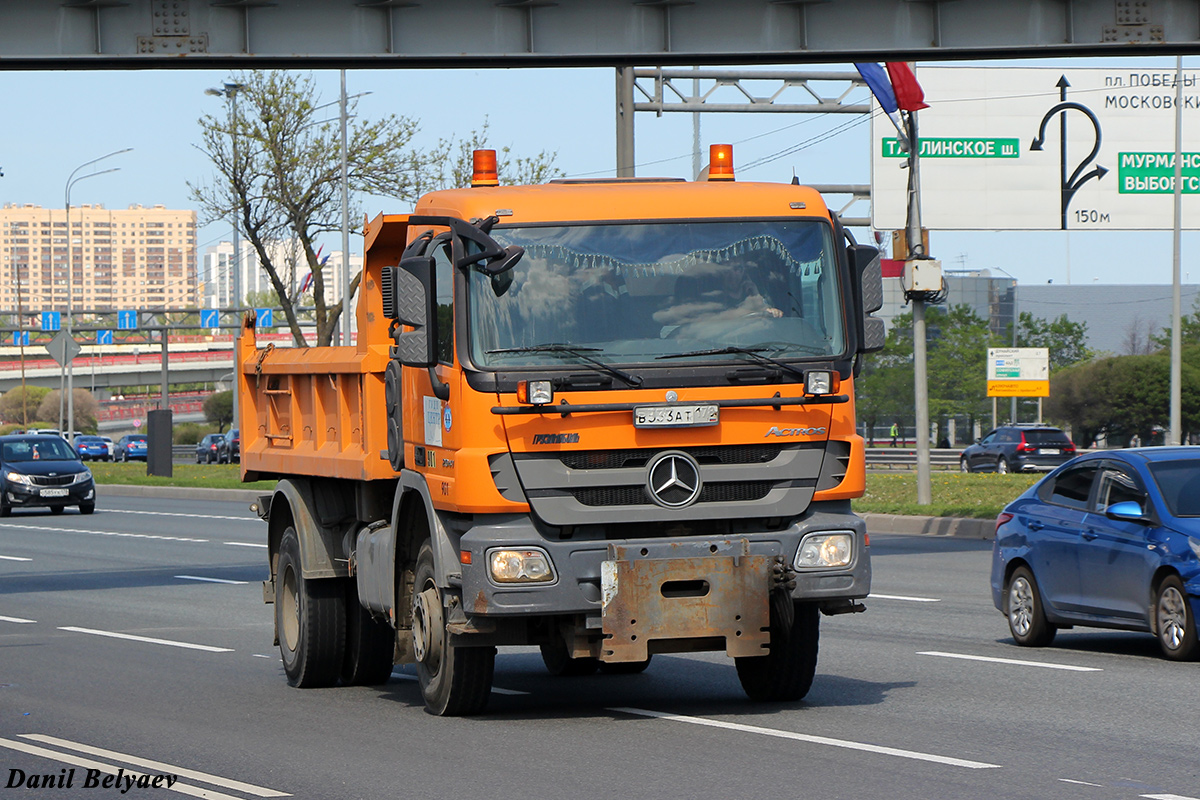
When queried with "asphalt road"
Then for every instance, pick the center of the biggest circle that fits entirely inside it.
(137, 638)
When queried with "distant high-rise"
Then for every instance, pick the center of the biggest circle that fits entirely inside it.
(130, 258)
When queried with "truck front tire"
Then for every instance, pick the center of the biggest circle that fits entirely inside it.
(310, 619)
(455, 681)
(786, 673)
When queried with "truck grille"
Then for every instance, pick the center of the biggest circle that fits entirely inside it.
(621, 459)
(728, 492)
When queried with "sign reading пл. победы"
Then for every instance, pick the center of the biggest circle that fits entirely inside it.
(1018, 372)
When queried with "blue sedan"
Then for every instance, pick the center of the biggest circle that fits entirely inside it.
(1108, 540)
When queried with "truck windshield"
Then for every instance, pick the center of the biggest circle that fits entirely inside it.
(636, 292)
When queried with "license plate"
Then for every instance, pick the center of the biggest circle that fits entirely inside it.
(1050, 451)
(54, 493)
(676, 415)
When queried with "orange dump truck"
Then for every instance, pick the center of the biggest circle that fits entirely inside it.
(606, 418)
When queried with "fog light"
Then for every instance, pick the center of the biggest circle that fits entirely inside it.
(520, 566)
(820, 382)
(537, 393)
(825, 550)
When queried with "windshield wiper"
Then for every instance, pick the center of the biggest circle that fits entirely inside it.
(578, 352)
(753, 352)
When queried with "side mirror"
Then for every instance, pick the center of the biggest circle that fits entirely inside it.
(866, 273)
(1127, 511)
(408, 298)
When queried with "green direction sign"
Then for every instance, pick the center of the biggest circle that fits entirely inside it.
(1008, 372)
(1154, 173)
(957, 148)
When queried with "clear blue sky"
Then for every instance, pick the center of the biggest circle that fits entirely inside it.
(58, 120)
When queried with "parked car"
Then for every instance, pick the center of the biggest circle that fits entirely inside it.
(112, 448)
(229, 449)
(43, 471)
(46, 432)
(91, 447)
(1108, 540)
(132, 446)
(208, 448)
(1018, 448)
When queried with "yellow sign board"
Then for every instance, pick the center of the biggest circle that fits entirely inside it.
(1018, 388)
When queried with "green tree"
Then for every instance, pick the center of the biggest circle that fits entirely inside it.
(218, 409)
(21, 404)
(1066, 340)
(1189, 329)
(86, 409)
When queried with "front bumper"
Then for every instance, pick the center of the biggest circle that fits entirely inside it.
(579, 565)
(18, 495)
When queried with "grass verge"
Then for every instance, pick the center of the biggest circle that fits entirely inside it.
(211, 476)
(977, 495)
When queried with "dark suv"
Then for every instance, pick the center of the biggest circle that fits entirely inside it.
(1018, 448)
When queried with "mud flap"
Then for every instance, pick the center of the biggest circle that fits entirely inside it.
(705, 597)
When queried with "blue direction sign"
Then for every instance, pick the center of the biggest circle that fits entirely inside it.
(210, 318)
(104, 337)
(21, 338)
(263, 318)
(127, 320)
(51, 320)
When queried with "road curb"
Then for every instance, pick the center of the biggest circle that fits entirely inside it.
(178, 492)
(959, 527)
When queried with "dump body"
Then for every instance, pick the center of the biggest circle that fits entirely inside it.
(611, 419)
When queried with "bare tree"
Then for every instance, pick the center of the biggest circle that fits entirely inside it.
(1138, 339)
(280, 167)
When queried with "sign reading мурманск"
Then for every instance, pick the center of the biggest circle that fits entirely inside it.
(1154, 173)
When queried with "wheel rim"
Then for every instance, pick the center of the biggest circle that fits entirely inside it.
(1172, 618)
(1020, 606)
(290, 612)
(426, 629)
(1002, 467)
(962, 465)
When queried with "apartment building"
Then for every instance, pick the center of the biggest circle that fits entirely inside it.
(139, 257)
(217, 271)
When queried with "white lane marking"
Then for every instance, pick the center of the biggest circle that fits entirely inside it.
(804, 737)
(260, 655)
(498, 690)
(108, 769)
(210, 580)
(1081, 783)
(174, 514)
(17, 619)
(101, 533)
(1013, 661)
(14, 558)
(1166, 797)
(149, 640)
(215, 780)
(245, 544)
(902, 597)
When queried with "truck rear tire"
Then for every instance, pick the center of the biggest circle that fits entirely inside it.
(786, 673)
(455, 681)
(310, 618)
(370, 645)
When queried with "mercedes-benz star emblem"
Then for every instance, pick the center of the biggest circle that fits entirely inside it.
(673, 480)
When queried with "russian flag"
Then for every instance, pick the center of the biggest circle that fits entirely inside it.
(896, 90)
(307, 283)
(909, 96)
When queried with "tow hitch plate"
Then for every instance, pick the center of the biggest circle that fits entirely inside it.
(684, 598)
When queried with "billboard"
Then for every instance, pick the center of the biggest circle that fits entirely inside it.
(1043, 149)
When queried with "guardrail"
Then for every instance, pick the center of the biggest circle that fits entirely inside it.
(881, 458)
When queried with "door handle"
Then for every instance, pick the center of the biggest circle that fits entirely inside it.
(1034, 525)
(1089, 534)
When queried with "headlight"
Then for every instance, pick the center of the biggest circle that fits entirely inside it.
(520, 566)
(825, 550)
(1195, 545)
(17, 477)
(83, 477)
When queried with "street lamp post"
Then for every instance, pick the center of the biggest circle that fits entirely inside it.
(229, 91)
(72, 179)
